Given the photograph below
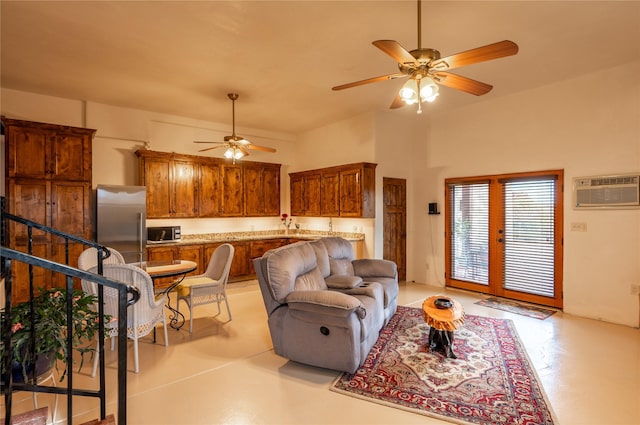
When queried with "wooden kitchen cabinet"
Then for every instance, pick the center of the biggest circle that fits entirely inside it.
(232, 199)
(296, 193)
(239, 265)
(305, 194)
(261, 190)
(258, 248)
(341, 191)
(330, 194)
(171, 185)
(48, 180)
(172, 253)
(357, 191)
(195, 186)
(209, 192)
(47, 151)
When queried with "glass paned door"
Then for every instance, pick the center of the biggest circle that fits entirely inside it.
(529, 259)
(469, 211)
(504, 235)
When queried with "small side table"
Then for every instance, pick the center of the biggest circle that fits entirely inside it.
(442, 323)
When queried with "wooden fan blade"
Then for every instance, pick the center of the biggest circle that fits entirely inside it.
(396, 51)
(199, 141)
(260, 148)
(480, 54)
(243, 150)
(464, 84)
(211, 148)
(397, 102)
(369, 80)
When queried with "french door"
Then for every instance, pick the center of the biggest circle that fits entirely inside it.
(504, 235)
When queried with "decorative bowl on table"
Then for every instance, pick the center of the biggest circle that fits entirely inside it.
(442, 303)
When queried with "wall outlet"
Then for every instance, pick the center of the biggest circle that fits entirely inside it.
(578, 227)
(635, 289)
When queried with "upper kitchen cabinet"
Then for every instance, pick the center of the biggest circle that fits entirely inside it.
(171, 182)
(47, 151)
(231, 195)
(330, 193)
(305, 194)
(357, 190)
(341, 191)
(210, 190)
(261, 190)
(194, 186)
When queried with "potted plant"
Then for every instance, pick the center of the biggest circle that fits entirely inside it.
(50, 324)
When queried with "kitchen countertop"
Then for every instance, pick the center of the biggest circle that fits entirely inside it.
(259, 235)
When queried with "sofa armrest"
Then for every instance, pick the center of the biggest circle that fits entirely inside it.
(372, 267)
(326, 302)
(338, 281)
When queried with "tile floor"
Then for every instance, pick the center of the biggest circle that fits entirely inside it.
(227, 373)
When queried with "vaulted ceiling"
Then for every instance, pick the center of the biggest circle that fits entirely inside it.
(283, 57)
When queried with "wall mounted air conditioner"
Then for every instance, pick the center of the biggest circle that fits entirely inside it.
(620, 191)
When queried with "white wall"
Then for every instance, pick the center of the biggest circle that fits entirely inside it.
(343, 142)
(587, 126)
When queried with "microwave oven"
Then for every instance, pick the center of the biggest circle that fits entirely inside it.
(163, 234)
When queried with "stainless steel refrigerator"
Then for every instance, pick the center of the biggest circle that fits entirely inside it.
(121, 216)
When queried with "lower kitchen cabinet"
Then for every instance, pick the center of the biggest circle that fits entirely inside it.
(241, 266)
(171, 253)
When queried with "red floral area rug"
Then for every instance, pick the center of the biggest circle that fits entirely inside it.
(491, 382)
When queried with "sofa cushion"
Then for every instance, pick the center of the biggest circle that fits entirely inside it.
(339, 248)
(341, 266)
(310, 281)
(322, 256)
(290, 267)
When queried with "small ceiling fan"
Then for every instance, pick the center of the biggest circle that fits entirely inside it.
(237, 146)
(426, 69)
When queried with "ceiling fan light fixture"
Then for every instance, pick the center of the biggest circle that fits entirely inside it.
(409, 92)
(233, 153)
(429, 90)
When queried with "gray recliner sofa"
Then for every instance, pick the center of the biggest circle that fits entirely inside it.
(324, 307)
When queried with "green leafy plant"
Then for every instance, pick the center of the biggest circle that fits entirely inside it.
(50, 323)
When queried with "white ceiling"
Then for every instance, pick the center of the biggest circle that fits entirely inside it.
(283, 57)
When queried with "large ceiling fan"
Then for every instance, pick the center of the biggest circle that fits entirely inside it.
(426, 69)
(236, 146)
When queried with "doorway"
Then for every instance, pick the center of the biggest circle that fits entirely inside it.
(394, 194)
(504, 235)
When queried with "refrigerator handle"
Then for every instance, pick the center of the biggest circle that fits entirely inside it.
(140, 237)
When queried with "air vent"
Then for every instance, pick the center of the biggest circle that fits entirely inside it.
(607, 191)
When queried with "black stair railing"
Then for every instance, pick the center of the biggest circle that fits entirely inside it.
(127, 295)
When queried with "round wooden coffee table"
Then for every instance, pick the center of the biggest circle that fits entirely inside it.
(442, 322)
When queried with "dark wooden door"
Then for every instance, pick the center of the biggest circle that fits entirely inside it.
(395, 223)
